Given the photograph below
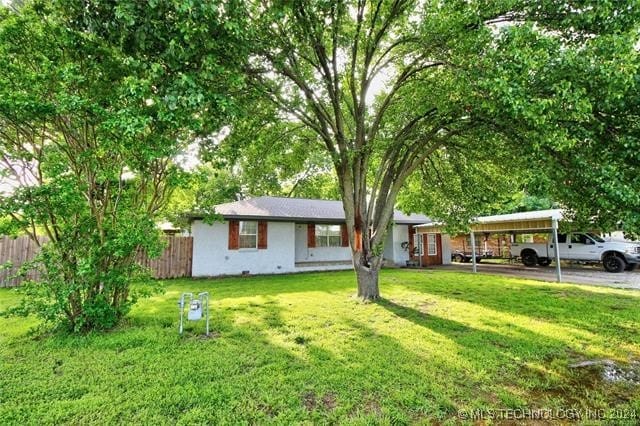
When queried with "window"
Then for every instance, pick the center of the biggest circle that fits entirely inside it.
(328, 236)
(248, 235)
(432, 246)
(580, 239)
(596, 238)
(524, 238)
(417, 247)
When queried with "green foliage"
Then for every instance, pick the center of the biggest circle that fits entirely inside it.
(202, 188)
(95, 102)
(550, 99)
(271, 155)
(469, 101)
(296, 349)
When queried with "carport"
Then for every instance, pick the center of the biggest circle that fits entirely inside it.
(526, 222)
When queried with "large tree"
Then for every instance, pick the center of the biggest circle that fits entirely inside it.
(96, 99)
(390, 86)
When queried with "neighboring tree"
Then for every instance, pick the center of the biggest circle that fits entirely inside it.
(95, 101)
(200, 190)
(271, 155)
(389, 86)
(460, 186)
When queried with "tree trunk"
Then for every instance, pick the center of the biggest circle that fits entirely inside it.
(367, 277)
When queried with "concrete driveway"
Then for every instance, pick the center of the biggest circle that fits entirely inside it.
(577, 275)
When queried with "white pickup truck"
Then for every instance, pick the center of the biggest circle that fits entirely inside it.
(616, 256)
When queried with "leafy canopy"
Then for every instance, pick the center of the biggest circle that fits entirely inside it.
(95, 101)
(514, 94)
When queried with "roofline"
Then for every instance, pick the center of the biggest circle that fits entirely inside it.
(408, 222)
(272, 218)
(486, 222)
(193, 217)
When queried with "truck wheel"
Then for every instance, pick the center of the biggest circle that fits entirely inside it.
(613, 263)
(529, 258)
(459, 258)
(631, 267)
(544, 261)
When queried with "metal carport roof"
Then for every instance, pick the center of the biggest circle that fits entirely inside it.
(534, 221)
(541, 220)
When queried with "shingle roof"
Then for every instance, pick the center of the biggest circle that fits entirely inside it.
(277, 208)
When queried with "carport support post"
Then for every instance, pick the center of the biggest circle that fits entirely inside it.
(554, 228)
(473, 251)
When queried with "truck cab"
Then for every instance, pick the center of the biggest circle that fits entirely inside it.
(616, 256)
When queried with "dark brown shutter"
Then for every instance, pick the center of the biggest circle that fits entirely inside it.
(234, 235)
(262, 234)
(344, 234)
(311, 235)
(411, 232)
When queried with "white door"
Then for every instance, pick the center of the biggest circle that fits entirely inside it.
(581, 247)
(562, 244)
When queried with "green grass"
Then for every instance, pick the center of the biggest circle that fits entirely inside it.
(299, 348)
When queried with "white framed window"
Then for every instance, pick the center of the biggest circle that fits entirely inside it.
(432, 245)
(248, 238)
(417, 247)
(328, 236)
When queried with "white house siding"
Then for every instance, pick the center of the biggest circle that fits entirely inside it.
(317, 254)
(211, 255)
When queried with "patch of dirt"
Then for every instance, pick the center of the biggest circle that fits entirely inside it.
(211, 335)
(611, 371)
(372, 407)
(425, 307)
(499, 344)
(329, 401)
(266, 408)
(309, 400)
(617, 308)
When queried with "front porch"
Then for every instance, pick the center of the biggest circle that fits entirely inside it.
(324, 265)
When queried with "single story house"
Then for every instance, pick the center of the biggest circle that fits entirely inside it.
(273, 235)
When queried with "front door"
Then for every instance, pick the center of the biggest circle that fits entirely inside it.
(432, 249)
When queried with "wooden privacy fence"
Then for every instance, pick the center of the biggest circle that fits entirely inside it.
(17, 251)
(175, 261)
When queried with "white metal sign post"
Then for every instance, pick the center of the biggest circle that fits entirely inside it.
(473, 251)
(196, 307)
(554, 227)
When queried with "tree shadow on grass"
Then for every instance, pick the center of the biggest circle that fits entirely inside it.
(478, 344)
(263, 368)
(610, 315)
(266, 285)
(525, 369)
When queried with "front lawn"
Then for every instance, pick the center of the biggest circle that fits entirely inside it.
(300, 348)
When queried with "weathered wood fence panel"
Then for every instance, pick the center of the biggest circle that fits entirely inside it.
(17, 251)
(175, 261)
